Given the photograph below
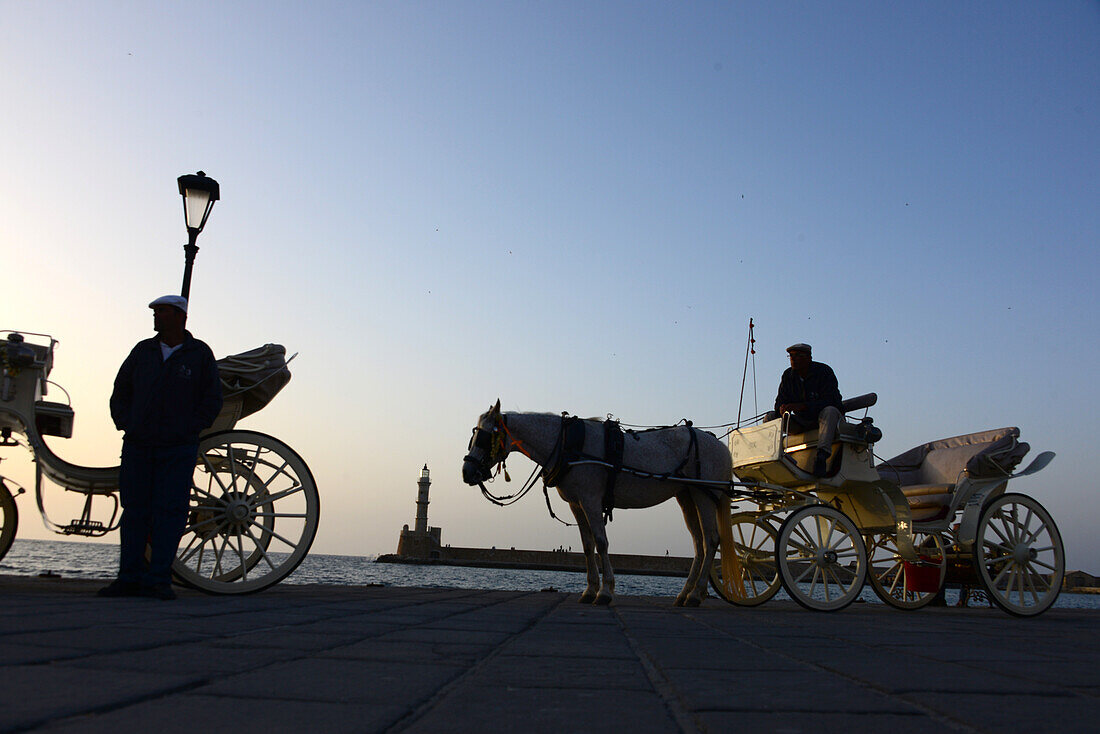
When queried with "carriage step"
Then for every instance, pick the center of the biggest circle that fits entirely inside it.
(87, 528)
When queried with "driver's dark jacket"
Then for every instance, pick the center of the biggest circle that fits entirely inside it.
(166, 402)
(817, 390)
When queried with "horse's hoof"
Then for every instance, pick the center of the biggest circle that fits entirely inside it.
(603, 600)
(691, 601)
(587, 598)
(679, 602)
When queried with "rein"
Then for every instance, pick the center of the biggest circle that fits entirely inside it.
(510, 499)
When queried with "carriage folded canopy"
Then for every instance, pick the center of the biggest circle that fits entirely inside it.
(254, 377)
(981, 455)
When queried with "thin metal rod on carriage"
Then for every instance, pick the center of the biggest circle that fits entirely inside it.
(749, 348)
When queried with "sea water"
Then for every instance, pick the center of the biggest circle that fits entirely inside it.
(100, 561)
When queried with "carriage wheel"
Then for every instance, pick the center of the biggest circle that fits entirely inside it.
(822, 561)
(889, 575)
(1018, 555)
(253, 515)
(9, 519)
(757, 581)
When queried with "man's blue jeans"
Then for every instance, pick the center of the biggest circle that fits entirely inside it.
(155, 485)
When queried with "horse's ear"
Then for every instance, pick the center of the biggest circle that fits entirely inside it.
(496, 408)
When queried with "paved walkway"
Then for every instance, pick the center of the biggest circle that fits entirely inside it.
(362, 659)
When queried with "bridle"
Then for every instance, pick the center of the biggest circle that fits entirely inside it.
(486, 448)
(490, 446)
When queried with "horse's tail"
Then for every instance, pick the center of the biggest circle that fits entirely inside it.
(732, 572)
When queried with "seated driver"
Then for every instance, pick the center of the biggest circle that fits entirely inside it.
(808, 391)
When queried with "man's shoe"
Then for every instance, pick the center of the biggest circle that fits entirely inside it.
(159, 591)
(118, 587)
(820, 464)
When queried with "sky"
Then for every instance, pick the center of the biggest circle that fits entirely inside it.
(570, 206)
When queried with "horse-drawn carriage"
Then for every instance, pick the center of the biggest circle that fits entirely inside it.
(937, 514)
(254, 506)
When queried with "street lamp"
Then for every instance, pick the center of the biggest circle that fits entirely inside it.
(199, 193)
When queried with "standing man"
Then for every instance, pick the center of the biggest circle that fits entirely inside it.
(808, 391)
(166, 392)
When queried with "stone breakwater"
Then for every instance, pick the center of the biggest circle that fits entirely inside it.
(623, 563)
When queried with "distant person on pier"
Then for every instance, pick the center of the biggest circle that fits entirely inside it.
(808, 391)
(166, 393)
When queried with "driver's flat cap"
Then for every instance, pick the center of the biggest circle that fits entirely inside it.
(175, 301)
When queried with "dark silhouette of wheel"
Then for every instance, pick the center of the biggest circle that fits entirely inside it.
(821, 557)
(756, 578)
(9, 516)
(1018, 555)
(253, 514)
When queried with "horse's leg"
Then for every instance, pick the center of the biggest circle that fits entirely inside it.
(691, 519)
(593, 510)
(706, 505)
(588, 545)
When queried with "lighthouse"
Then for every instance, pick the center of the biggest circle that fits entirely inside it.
(422, 542)
(422, 484)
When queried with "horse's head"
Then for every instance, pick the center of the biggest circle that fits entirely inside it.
(487, 447)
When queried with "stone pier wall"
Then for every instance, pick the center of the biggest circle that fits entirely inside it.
(546, 560)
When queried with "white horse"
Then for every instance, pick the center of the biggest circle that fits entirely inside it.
(667, 454)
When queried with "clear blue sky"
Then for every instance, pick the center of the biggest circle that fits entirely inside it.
(570, 206)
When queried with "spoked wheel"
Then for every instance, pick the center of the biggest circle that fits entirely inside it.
(253, 516)
(1018, 555)
(901, 585)
(756, 578)
(9, 517)
(822, 561)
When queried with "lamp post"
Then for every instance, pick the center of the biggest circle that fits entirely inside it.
(199, 193)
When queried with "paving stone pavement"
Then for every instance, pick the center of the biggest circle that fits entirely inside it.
(372, 659)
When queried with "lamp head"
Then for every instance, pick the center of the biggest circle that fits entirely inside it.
(199, 193)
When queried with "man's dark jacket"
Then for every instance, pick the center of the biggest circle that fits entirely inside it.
(166, 402)
(817, 390)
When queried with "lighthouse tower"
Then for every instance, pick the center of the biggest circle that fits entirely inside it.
(422, 542)
(422, 484)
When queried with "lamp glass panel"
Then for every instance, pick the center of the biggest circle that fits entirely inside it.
(195, 202)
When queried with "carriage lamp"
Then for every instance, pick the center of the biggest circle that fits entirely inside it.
(199, 193)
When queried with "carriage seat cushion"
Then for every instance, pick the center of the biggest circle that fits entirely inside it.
(929, 501)
(920, 494)
(844, 429)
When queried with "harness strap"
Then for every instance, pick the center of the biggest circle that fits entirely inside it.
(569, 451)
(569, 448)
(693, 447)
(613, 455)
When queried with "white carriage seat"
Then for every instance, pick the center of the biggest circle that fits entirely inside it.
(929, 474)
(928, 502)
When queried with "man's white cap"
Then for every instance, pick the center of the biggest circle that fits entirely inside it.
(176, 301)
